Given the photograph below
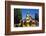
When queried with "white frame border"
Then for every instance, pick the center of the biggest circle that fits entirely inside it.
(25, 28)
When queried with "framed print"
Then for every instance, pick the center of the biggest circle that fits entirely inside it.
(24, 17)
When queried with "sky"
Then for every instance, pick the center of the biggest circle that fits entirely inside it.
(31, 11)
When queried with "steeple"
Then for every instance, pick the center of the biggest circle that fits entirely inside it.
(27, 16)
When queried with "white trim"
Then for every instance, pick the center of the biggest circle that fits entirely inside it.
(25, 28)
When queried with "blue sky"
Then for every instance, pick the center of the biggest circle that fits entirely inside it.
(32, 12)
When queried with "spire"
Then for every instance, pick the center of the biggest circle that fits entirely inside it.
(28, 14)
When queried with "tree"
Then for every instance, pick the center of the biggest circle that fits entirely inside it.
(17, 16)
(37, 19)
(36, 16)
